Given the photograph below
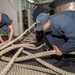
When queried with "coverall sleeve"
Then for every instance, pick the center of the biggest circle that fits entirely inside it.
(69, 46)
(7, 20)
(69, 31)
(50, 39)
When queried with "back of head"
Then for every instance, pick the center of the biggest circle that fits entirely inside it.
(37, 11)
(36, 5)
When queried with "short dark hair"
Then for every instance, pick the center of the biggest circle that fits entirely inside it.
(35, 5)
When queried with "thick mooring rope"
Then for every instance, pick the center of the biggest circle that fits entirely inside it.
(22, 69)
(11, 62)
(48, 65)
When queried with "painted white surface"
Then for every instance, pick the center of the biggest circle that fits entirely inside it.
(15, 4)
(23, 4)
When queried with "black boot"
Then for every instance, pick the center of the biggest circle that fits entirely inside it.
(38, 43)
(46, 47)
(62, 62)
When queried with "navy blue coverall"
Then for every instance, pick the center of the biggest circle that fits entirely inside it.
(62, 24)
(5, 22)
(36, 12)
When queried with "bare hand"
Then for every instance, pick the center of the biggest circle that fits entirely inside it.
(1, 39)
(58, 51)
(7, 41)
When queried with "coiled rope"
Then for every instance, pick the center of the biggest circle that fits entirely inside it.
(23, 69)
